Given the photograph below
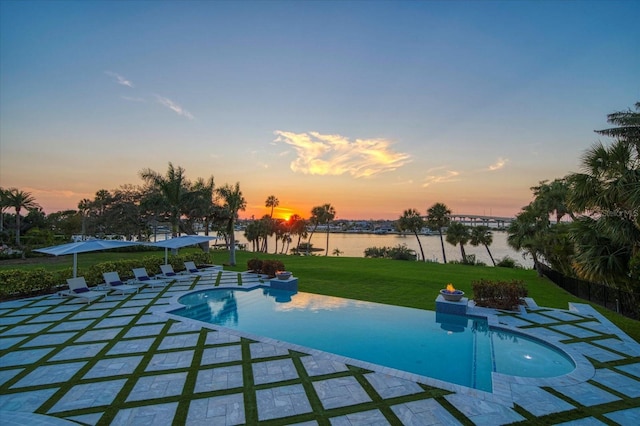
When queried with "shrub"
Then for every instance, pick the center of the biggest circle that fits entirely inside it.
(499, 294)
(270, 267)
(254, 265)
(399, 252)
(507, 262)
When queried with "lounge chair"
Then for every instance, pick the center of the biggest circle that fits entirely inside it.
(193, 269)
(169, 273)
(143, 278)
(78, 288)
(113, 281)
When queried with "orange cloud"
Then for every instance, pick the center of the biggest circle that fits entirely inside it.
(319, 154)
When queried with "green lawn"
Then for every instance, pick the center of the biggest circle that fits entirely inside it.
(403, 283)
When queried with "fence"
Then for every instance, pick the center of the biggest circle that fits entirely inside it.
(623, 302)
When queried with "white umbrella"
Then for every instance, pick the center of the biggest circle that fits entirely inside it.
(82, 247)
(182, 241)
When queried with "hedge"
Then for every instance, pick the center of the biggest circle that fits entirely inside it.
(15, 283)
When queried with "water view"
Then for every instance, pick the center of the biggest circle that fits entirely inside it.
(354, 245)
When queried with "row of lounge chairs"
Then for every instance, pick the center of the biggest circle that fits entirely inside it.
(112, 283)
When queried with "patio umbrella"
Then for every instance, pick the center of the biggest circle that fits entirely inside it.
(182, 241)
(82, 247)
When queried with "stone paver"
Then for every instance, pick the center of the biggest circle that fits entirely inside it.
(282, 401)
(48, 374)
(221, 354)
(317, 366)
(423, 413)
(618, 382)
(219, 378)
(391, 387)
(587, 394)
(274, 371)
(89, 395)
(363, 418)
(537, 401)
(340, 392)
(219, 410)
(171, 360)
(156, 415)
(630, 416)
(111, 367)
(157, 386)
(483, 412)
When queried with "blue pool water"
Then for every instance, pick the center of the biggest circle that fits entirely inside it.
(453, 348)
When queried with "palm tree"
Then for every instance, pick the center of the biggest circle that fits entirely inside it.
(482, 235)
(298, 227)
(173, 186)
(628, 127)
(233, 203)
(4, 204)
(438, 218)
(84, 206)
(458, 233)
(18, 200)
(272, 202)
(527, 231)
(609, 189)
(412, 221)
(553, 198)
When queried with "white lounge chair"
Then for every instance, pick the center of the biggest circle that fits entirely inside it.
(143, 277)
(169, 273)
(193, 269)
(113, 281)
(78, 288)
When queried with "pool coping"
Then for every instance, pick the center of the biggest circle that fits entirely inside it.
(501, 383)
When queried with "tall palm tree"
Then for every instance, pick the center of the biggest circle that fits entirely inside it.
(298, 227)
(173, 186)
(438, 218)
(482, 235)
(272, 202)
(233, 202)
(18, 200)
(412, 221)
(458, 233)
(323, 214)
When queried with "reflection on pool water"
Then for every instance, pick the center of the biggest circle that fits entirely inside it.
(457, 349)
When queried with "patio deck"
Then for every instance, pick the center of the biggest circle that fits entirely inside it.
(122, 361)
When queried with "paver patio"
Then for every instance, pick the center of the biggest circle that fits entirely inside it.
(122, 361)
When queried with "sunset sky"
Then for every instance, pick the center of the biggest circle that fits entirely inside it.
(374, 107)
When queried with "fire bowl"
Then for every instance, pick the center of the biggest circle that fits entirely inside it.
(452, 296)
(283, 275)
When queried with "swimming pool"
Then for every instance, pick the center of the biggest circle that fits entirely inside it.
(457, 349)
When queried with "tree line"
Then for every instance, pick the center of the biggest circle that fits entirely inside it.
(585, 224)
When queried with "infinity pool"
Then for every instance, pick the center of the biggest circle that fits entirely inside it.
(457, 349)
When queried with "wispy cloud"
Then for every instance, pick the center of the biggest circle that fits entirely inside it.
(174, 107)
(119, 79)
(319, 154)
(500, 163)
(133, 99)
(440, 175)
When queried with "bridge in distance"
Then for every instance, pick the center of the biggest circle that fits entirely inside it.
(478, 220)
